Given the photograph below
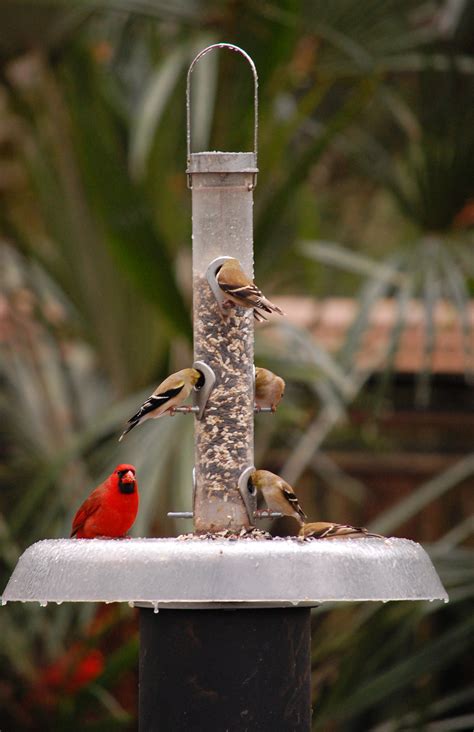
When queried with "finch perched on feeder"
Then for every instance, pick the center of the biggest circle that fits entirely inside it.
(110, 509)
(278, 495)
(328, 530)
(240, 290)
(166, 397)
(269, 389)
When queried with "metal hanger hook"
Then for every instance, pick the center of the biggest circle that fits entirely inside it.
(202, 53)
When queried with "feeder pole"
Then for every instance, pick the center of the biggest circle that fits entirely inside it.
(222, 186)
(217, 670)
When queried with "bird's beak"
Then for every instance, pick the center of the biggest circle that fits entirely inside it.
(129, 477)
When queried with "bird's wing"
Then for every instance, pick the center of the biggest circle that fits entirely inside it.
(236, 284)
(155, 401)
(348, 530)
(89, 507)
(242, 290)
(292, 499)
(327, 530)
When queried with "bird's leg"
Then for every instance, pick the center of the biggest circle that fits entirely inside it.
(273, 408)
(171, 411)
(257, 408)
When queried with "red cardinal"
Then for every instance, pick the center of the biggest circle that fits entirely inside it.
(111, 508)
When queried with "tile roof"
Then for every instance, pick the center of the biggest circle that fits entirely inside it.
(329, 320)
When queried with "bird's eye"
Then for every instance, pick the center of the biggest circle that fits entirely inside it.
(251, 488)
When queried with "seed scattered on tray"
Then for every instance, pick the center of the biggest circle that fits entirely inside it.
(251, 534)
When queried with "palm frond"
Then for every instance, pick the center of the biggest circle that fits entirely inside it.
(424, 495)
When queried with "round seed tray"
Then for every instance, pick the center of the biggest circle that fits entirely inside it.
(205, 573)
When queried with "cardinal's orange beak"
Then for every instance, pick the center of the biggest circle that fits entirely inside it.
(129, 477)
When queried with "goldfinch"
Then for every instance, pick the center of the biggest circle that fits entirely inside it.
(278, 495)
(168, 395)
(240, 290)
(269, 389)
(328, 530)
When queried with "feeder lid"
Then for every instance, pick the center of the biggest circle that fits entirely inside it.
(205, 573)
(222, 162)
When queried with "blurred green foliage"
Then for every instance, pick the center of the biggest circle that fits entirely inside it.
(365, 139)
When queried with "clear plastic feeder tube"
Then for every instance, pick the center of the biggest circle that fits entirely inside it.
(222, 224)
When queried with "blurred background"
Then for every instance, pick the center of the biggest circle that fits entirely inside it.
(364, 233)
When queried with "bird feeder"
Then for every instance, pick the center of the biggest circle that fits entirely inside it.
(222, 185)
(224, 624)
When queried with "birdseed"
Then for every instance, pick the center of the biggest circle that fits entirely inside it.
(224, 436)
(248, 534)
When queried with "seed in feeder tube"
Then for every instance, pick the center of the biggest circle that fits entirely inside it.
(224, 436)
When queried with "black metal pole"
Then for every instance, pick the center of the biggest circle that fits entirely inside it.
(225, 670)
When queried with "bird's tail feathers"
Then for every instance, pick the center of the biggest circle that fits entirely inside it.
(128, 428)
(269, 307)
